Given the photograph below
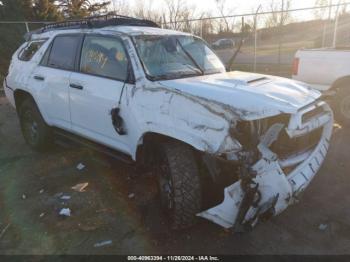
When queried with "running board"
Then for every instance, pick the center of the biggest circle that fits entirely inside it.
(61, 135)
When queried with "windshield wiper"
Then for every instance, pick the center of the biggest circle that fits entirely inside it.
(190, 57)
(193, 68)
(179, 74)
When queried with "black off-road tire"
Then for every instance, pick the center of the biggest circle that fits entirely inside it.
(30, 118)
(180, 167)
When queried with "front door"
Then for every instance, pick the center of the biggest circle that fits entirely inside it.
(97, 89)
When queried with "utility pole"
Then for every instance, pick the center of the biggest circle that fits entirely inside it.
(114, 7)
(280, 37)
(335, 35)
(326, 24)
(27, 27)
(256, 35)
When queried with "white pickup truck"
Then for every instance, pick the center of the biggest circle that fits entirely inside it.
(327, 70)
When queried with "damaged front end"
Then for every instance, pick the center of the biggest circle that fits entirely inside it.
(279, 159)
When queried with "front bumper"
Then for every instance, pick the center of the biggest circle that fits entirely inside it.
(276, 189)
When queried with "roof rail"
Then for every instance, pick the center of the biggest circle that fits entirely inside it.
(99, 21)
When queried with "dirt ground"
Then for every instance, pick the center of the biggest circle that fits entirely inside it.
(121, 205)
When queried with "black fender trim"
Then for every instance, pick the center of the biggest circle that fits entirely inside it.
(7, 86)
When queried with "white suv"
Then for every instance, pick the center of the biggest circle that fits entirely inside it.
(164, 99)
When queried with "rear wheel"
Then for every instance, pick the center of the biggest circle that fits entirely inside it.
(35, 131)
(179, 184)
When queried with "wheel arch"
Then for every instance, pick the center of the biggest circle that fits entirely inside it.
(149, 140)
(21, 95)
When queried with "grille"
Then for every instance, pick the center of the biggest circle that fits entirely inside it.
(286, 146)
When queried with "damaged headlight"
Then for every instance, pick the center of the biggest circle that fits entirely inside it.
(248, 133)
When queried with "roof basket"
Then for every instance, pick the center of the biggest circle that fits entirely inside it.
(110, 19)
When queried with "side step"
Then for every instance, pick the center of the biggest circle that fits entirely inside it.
(63, 138)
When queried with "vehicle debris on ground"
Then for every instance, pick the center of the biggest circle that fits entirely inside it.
(65, 197)
(103, 243)
(323, 227)
(80, 166)
(4, 230)
(65, 212)
(80, 187)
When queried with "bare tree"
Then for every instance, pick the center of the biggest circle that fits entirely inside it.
(205, 27)
(144, 9)
(279, 17)
(320, 13)
(280, 13)
(178, 10)
(224, 10)
(121, 7)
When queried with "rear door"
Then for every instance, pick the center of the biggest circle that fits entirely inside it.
(51, 78)
(97, 88)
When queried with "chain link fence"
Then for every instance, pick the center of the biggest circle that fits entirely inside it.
(263, 42)
(269, 40)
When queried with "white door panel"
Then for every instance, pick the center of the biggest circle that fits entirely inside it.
(51, 86)
(91, 109)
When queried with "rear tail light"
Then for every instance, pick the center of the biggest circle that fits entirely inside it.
(295, 68)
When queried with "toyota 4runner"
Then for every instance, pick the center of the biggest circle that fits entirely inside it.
(163, 98)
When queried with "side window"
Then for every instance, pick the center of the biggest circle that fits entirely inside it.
(63, 52)
(30, 50)
(104, 56)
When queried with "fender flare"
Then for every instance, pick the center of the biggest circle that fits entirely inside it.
(24, 92)
(191, 141)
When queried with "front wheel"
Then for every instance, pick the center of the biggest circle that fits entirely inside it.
(179, 184)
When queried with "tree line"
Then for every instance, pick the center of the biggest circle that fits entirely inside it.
(49, 10)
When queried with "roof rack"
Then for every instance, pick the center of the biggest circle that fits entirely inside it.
(99, 21)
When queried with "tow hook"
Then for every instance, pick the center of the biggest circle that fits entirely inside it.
(251, 197)
(251, 201)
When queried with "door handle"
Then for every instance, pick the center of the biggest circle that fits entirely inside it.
(40, 78)
(76, 86)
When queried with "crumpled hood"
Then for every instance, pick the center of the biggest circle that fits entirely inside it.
(252, 96)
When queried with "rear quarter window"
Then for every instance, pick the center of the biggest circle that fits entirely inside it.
(30, 50)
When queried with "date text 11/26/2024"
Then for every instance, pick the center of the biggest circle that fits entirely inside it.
(173, 258)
